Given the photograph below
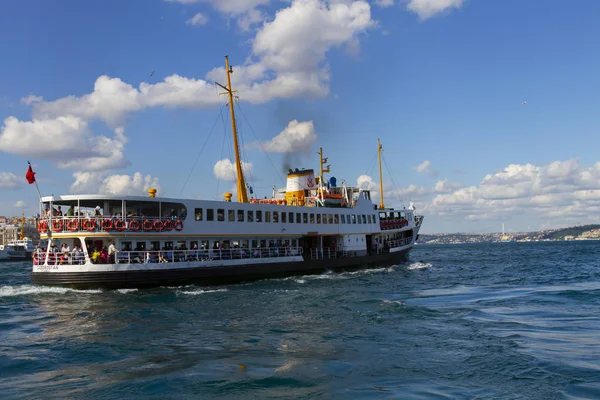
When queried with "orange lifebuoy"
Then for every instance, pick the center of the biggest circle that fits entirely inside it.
(72, 224)
(167, 225)
(89, 225)
(107, 224)
(178, 225)
(119, 225)
(134, 225)
(57, 225)
(158, 226)
(44, 226)
(147, 225)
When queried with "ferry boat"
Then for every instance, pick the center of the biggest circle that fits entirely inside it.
(137, 241)
(13, 252)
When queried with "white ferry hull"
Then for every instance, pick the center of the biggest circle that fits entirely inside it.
(208, 275)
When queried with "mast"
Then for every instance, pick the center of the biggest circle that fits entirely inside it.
(322, 161)
(379, 149)
(241, 182)
(22, 226)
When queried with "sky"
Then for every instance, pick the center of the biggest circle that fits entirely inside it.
(488, 111)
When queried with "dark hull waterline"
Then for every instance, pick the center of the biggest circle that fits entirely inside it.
(209, 275)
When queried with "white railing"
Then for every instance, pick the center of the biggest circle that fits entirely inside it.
(322, 253)
(110, 224)
(66, 258)
(150, 256)
(399, 242)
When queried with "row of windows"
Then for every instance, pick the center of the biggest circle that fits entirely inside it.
(208, 214)
(206, 244)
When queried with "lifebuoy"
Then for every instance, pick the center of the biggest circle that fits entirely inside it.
(119, 225)
(39, 226)
(57, 225)
(44, 226)
(147, 225)
(106, 224)
(178, 225)
(89, 225)
(134, 225)
(167, 225)
(158, 226)
(72, 224)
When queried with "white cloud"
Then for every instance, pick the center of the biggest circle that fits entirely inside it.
(423, 167)
(66, 140)
(428, 8)
(443, 186)
(365, 182)
(31, 99)
(246, 11)
(197, 20)
(225, 169)
(10, 181)
(20, 204)
(103, 183)
(297, 137)
(563, 192)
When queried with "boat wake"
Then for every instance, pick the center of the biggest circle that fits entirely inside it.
(200, 291)
(25, 290)
(419, 265)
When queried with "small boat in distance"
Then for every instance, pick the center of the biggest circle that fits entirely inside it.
(315, 225)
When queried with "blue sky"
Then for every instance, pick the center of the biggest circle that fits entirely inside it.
(442, 82)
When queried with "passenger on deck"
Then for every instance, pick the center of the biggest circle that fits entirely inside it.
(97, 212)
(59, 212)
(112, 250)
(71, 211)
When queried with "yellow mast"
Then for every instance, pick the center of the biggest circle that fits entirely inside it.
(379, 149)
(22, 226)
(322, 161)
(241, 182)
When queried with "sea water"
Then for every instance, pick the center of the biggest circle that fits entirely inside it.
(498, 321)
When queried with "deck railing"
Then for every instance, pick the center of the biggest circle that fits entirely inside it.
(399, 242)
(322, 253)
(110, 224)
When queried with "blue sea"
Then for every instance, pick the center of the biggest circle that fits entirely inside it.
(477, 321)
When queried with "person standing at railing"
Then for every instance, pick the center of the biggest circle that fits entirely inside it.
(71, 211)
(112, 250)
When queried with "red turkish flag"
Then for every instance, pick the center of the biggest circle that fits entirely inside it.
(30, 175)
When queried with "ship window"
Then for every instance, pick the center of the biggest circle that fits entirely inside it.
(318, 218)
(324, 218)
(210, 214)
(240, 214)
(125, 246)
(275, 216)
(231, 215)
(364, 219)
(140, 246)
(336, 219)
(353, 218)
(220, 214)
(358, 219)
(330, 218)
(291, 218)
(343, 219)
(250, 216)
(155, 246)
(369, 218)
(298, 218)
(168, 246)
(312, 218)
(267, 216)
(204, 244)
(294, 242)
(305, 218)
(181, 245)
(258, 216)
(193, 244)
(198, 214)
(254, 244)
(284, 217)
(382, 216)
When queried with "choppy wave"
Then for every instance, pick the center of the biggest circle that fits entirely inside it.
(419, 265)
(200, 291)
